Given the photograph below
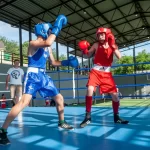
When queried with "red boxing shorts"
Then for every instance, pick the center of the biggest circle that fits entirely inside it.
(102, 79)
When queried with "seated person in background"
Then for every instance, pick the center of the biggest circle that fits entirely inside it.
(3, 97)
(3, 101)
(47, 101)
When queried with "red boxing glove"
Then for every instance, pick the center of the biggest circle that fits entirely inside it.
(111, 41)
(83, 45)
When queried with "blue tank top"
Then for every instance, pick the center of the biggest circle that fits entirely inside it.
(38, 60)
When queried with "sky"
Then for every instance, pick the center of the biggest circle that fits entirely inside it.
(12, 33)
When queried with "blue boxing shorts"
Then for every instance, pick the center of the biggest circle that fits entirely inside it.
(37, 81)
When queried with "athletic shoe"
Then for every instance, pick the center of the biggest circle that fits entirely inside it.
(117, 119)
(65, 125)
(3, 138)
(85, 122)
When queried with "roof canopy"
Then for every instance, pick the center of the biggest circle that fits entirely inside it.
(128, 19)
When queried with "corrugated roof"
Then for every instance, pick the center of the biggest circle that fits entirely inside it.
(128, 19)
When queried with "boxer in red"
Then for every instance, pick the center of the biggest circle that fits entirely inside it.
(100, 75)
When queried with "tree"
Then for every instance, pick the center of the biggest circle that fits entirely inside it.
(143, 57)
(124, 69)
(25, 48)
(10, 45)
(13, 47)
(61, 57)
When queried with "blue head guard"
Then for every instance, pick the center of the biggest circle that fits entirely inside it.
(42, 29)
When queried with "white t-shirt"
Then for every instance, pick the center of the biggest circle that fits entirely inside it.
(15, 75)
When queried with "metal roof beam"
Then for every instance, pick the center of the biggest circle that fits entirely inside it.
(81, 17)
(86, 13)
(98, 12)
(7, 3)
(68, 23)
(124, 16)
(45, 10)
(22, 10)
(107, 23)
(32, 1)
(73, 12)
(69, 7)
(9, 16)
(3, 11)
(139, 8)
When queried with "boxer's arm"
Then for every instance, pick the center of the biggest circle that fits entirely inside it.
(112, 44)
(43, 43)
(117, 53)
(52, 59)
(91, 51)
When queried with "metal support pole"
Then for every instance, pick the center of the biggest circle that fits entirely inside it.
(1, 57)
(77, 73)
(57, 57)
(30, 30)
(134, 61)
(30, 38)
(68, 53)
(75, 48)
(20, 45)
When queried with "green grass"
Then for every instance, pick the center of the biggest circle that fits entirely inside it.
(123, 103)
(127, 102)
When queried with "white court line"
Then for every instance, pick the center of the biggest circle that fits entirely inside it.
(3, 100)
(3, 82)
(3, 74)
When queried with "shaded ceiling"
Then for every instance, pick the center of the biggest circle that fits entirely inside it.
(128, 19)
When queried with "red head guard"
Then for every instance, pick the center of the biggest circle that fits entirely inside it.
(103, 30)
(109, 36)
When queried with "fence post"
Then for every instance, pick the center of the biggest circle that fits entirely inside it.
(1, 57)
(12, 58)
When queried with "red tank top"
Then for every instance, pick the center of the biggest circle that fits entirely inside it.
(103, 56)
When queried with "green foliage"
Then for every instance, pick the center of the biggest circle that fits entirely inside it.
(25, 48)
(61, 57)
(13, 47)
(125, 69)
(10, 45)
(143, 57)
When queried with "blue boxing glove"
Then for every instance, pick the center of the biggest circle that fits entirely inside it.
(60, 22)
(72, 61)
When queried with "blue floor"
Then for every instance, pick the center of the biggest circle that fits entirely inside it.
(36, 129)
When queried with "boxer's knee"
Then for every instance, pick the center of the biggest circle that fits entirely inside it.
(59, 100)
(115, 97)
(90, 90)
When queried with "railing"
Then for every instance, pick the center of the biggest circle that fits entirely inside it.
(8, 58)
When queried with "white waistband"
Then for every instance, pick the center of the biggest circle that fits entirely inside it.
(35, 70)
(101, 68)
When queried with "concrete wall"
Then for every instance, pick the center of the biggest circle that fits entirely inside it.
(81, 83)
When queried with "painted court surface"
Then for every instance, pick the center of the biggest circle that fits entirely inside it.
(36, 129)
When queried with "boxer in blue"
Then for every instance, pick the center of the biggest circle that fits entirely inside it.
(36, 80)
